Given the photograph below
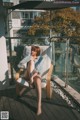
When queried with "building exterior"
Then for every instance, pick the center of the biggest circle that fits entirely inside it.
(19, 22)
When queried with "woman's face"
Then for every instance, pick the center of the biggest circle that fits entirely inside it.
(33, 52)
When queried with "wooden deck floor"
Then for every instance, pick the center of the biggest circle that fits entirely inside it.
(24, 108)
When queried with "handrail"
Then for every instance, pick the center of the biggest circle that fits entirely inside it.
(50, 39)
(43, 37)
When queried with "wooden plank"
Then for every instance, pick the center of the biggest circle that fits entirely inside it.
(27, 111)
(1, 103)
(76, 113)
(30, 104)
(32, 100)
(15, 102)
(6, 105)
(61, 112)
(20, 110)
(25, 107)
(45, 114)
(12, 104)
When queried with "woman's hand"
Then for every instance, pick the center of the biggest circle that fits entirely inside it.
(32, 77)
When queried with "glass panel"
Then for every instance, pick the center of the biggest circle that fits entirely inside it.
(67, 57)
(31, 14)
(26, 15)
(67, 63)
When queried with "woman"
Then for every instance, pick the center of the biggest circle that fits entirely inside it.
(33, 76)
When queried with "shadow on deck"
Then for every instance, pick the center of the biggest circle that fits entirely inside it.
(24, 108)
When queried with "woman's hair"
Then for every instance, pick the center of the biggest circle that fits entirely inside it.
(36, 48)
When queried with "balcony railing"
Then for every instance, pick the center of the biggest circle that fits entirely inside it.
(65, 56)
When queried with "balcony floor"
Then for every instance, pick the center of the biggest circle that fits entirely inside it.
(24, 108)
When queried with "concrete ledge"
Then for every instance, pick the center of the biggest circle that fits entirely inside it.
(68, 89)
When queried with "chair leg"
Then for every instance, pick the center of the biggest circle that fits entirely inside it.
(48, 90)
(48, 87)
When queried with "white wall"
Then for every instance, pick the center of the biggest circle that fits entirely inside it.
(16, 2)
(4, 81)
(16, 23)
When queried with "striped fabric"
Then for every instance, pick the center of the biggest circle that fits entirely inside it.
(23, 82)
(43, 62)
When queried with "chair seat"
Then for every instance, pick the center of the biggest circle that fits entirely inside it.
(23, 82)
(44, 66)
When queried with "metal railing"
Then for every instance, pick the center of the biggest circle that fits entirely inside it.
(63, 57)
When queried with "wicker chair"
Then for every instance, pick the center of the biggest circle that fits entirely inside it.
(45, 67)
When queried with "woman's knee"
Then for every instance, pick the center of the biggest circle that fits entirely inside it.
(37, 78)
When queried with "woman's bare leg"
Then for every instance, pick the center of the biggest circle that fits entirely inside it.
(22, 91)
(37, 82)
(29, 73)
